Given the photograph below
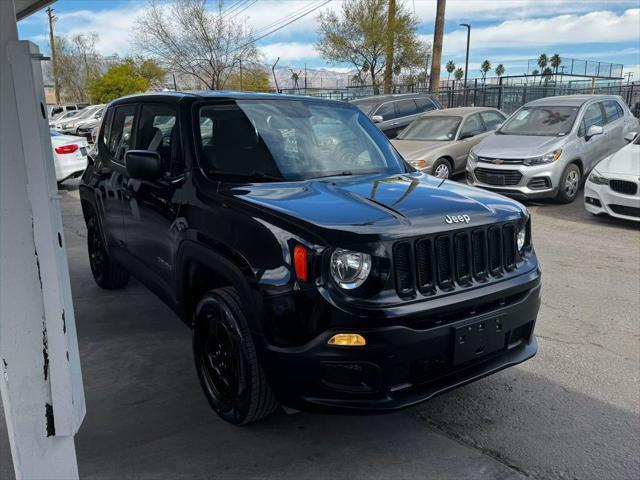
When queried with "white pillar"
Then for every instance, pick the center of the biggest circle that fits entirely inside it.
(40, 378)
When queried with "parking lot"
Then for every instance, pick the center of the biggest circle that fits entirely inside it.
(571, 412)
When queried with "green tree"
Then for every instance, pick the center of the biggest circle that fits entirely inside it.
(484, 69)
(543, 60)
(458, 74)
(450, 69)
(154, 73)
(546, 74)
(295, 76)
(500, 70)
(357, 33)
(254, 79)
(555, 63)
(119, 80)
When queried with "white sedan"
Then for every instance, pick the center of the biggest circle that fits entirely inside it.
(69, 155)
(614, 184)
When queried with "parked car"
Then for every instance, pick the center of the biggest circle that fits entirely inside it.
(438, 142)
(69, 155)
(614, 184)
(315, 269)
(64, 117)
(394, 112)
(69, 125)
(83, 128)
(549, 145)
(54, 111)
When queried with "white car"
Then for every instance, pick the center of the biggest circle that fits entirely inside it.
(68, 125)
(69, 155)
(614, 184)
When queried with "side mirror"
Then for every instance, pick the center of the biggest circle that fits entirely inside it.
(377, 118)
(630, 137)
(594, 130)
(143, 164)
(498, 126)
(465, 135)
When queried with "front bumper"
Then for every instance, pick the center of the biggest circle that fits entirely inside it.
(407, 362)
(600, 199)
(536, 182)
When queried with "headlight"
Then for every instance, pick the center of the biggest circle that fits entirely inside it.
(419, 164)
(472, 157)
(522, 238)
(548, 158)
(597, 179)
(350, 269)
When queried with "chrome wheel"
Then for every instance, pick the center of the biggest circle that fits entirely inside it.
(572, 184)
(441, 171)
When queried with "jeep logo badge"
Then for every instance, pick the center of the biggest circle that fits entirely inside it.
(457, 218)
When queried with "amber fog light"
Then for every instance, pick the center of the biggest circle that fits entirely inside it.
(347, 340)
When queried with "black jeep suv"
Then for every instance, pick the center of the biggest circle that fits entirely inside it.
(315, 267)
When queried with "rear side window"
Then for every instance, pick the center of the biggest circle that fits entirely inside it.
(387, 111)
(592, 116)
(613, 110)
(158, 132)
(425, 104)
(406, 108)
(491, 119)
(121, 130)
(106, 130)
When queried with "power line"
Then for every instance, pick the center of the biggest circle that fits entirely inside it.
(237, 12)
(304, 10)
(233, 7)
(298, 17)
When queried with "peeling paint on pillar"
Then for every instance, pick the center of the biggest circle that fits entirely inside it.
(45, 350)
(51, 424)
(64, 323)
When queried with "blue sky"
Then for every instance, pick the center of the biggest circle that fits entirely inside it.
(504, 31)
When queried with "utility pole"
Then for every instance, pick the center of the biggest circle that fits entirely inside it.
(466, 62)
(54, 63)
(438, 33)
(241, 89)
(305, 78)
(388, 67)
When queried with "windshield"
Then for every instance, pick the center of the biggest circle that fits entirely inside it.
(292, 140)
(540, 121)
(432, 128)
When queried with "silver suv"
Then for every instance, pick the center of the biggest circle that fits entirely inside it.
(549, 145)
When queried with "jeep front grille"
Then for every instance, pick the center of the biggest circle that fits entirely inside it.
(446, 261)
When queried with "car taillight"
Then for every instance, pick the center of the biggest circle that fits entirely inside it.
(67, 148)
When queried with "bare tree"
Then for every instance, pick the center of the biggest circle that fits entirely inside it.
(77, 63)
(188, 38)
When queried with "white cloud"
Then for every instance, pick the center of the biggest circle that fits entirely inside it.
(288, 51)
(593, 27)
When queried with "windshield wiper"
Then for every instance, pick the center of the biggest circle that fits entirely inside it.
(254, 174)
(346, 173)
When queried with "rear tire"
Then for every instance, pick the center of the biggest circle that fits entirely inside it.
(226, 361)
(442, 169)
(107, 274)
(569, 184)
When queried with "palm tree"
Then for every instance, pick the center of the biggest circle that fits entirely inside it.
(458, 74)
(484, 68)
(546, 74)
(555, 63)
(450, 68)
(295, 76)
(500, 70)
(543, 60)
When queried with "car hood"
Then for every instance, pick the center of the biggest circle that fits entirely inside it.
(390, 206)
(419, 149)
(625, 161)
(516, 146)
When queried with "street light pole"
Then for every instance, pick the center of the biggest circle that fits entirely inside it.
(466, 62)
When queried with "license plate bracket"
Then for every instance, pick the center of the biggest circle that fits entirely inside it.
(494, 179)
(477, 339)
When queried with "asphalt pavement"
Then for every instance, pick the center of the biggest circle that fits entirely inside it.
(571, 412)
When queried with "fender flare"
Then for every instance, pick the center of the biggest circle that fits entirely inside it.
(238, 276)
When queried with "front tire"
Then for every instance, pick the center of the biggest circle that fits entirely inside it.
(569, 184)
(442, 169)
(226, 361)
(107, 274)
